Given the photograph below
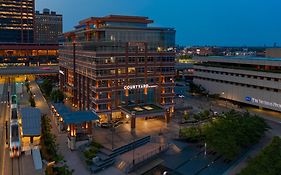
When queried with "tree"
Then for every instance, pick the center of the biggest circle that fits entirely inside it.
(230, 134)
(57, 96)
(31, 100)
(198, 89)
(190, 133)
(48, 140)
(27, 87)
(267, 162)
(47, 87)
(186, 116)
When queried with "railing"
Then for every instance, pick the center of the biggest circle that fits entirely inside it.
(130, 146)
(142, 159)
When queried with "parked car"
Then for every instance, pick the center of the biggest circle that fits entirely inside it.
(181, 96)
(106, 125)
(118, 123)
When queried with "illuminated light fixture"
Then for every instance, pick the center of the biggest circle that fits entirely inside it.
(61, 72)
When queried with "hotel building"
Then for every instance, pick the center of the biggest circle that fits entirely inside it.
(250, 80)
(47, 27)
(119, 66)
(17, 18)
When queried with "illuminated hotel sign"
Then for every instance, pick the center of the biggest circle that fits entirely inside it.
(263, 102)
(141, 86)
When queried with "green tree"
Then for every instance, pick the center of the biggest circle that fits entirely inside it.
(186, 116)
(268, 162)
(47, 87)
(31, 100)
(230, 134)
(190, 133)
(57, 96)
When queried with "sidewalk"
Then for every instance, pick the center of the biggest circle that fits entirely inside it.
(272, 118)
(27, 160)
(72, 157)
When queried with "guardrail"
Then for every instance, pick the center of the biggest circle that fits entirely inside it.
(137, 162)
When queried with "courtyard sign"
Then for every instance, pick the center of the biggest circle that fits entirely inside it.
(263, 102)
(141, 86)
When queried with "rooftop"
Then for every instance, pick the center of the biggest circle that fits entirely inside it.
(31, 121)
(244, 58)
(145, 110)
(116, 18)
(74, 117)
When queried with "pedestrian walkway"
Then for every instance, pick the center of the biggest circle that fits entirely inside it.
(27, 160)
(72, 157)
(242, 163)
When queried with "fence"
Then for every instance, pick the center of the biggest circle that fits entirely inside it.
(144, 158)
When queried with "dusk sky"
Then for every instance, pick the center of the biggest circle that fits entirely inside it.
(197, 22)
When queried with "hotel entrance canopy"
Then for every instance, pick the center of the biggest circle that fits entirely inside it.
(140, 111)
(74, 117)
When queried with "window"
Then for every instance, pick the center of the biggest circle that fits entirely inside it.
(131, 70)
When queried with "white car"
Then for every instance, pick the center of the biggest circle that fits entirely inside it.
(181, 96)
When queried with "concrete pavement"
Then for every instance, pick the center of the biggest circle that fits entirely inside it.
(71, 157)
(272, 118)
(4, 115)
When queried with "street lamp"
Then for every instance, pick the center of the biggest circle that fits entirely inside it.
(133, 150)
(225, 99)
(112, 132)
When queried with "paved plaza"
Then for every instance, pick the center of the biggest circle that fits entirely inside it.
(177, 158)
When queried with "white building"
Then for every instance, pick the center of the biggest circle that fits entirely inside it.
(252, 80)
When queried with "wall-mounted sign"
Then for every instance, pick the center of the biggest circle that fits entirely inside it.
(263, 102)
(140, 86)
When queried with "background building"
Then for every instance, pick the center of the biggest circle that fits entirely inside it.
(273, 52)
(28, 54)
(17, 47)
(251, 80)
(47, 27)
(17, 18)
(110, 63)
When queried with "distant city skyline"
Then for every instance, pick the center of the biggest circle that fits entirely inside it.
(212, 22)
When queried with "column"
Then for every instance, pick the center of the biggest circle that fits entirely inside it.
(133, 123)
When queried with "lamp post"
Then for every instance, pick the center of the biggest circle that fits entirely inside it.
(112, 132)
(225, 99)
(133, 150)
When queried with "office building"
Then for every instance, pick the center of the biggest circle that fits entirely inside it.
(119, 66)
(28, 54)
(47, 27)
(17, 18)
(250, 80)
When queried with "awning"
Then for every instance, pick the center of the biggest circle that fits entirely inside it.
(74, 117)
(79, 117)
(61, 108)
(31, 121)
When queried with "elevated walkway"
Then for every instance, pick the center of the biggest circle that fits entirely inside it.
(26, 70)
